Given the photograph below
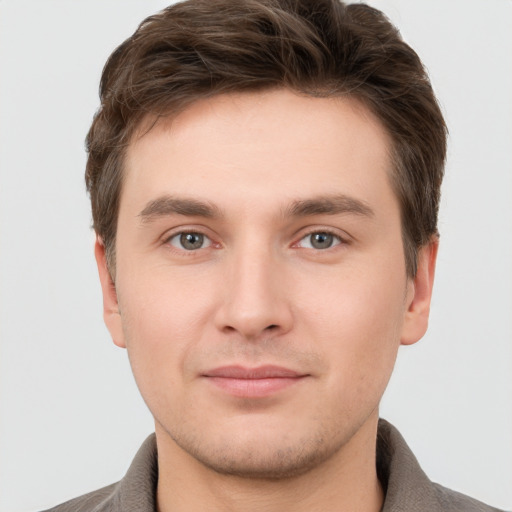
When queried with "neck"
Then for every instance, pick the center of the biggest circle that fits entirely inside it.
(346, 481)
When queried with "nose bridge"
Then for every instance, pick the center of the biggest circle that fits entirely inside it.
(254, 301)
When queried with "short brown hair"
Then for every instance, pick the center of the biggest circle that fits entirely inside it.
(200, 48)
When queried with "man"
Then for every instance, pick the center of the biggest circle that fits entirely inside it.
(264, 178)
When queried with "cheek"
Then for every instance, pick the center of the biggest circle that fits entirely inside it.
(357, 324)
(163, 322)
(161, 306)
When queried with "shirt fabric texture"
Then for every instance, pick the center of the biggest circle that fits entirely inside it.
(407, 487)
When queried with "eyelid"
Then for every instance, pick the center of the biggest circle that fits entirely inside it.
(206, 239)
(166, 238)
(343, 238)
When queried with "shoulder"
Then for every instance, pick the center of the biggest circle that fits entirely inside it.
(408, 488)
(135, 492)
(453, 501)
(95, 501)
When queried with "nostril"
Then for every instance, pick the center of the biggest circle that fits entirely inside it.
(271, 327)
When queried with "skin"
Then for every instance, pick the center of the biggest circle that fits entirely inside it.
(261, 291)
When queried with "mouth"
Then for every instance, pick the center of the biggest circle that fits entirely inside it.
(257, 382)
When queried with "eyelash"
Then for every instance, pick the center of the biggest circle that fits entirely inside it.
(336, 236)
(168, 241)
(338, 240)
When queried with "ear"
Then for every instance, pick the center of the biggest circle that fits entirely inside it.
(111, 314)
(419, 295)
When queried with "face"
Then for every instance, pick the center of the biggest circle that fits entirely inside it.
(260, 285)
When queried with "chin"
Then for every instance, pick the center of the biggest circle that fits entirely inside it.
(263, 463)
(274, 456)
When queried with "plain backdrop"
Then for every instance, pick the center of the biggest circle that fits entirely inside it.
(71, 418)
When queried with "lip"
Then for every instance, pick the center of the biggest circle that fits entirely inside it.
(258, 382)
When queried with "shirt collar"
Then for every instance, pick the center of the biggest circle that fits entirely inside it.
(406, 486)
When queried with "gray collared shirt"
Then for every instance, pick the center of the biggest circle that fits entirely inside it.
(407, 487)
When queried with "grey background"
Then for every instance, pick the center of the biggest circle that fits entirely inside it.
(70, 415)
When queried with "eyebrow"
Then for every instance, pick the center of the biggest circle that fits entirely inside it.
(168, 205)
(323, 205)
(329, 205)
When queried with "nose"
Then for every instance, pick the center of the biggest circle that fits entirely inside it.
(255, 301)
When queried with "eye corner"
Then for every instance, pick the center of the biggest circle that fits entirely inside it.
(320, 240)
(188, 240)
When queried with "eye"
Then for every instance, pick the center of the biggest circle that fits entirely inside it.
(320, 240)
(190, 241)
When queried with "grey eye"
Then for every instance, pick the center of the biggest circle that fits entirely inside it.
(320, 240)
(190, 241)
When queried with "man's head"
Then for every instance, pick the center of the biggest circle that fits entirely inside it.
(259, 167)
(199, 49)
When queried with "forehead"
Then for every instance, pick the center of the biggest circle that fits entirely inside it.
(277, 144)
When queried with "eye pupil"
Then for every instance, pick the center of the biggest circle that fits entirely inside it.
(191, 241)
(322, 240)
